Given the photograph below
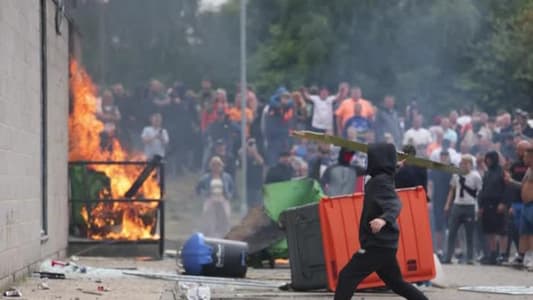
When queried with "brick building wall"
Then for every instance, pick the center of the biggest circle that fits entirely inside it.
(22, 242)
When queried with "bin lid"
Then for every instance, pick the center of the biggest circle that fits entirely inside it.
(195, 254)
(282, 195)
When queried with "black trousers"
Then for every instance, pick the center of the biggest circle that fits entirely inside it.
(379, 260)
(462, 215)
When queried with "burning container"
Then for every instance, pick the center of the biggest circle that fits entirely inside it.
(101, 224)
(115, 195)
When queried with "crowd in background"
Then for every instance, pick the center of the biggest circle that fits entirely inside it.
(200, 131)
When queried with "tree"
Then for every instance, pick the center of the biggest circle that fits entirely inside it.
(444, 53)
(409, 48)
(502, 71)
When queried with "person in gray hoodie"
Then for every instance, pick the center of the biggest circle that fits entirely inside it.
(378, 231)
(340, 178)
(388, 121)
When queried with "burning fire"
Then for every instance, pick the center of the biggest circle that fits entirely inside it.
(107, 219)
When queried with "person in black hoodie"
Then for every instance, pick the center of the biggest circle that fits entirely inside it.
(282, 171)
(411, 176)
(378, 231)
(493, 208)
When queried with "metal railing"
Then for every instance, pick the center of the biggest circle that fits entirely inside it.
(89, 188)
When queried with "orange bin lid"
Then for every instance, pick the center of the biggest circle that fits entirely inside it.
(339, 222)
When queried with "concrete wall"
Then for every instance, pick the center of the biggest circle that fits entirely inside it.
(21, 242)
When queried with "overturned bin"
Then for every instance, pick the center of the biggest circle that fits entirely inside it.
(206, 256)
(260, 227)
(304, 238)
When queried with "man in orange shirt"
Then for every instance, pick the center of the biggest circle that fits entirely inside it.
(234, 114)
(347, 108)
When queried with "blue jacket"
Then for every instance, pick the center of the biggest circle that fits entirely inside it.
(203, 187)
(278, 119)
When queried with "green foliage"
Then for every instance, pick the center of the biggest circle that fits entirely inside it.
(443, 52)
(409, 48)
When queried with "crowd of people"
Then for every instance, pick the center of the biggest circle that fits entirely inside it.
(200, 131)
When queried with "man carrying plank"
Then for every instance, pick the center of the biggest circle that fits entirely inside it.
(379, 232)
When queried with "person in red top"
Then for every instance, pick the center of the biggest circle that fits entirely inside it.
(346, 109)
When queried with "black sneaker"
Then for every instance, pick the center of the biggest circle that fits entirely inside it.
(502, 259)
(459, 256)
(488, 260)
(518, 262)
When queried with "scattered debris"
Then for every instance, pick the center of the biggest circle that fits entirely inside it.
(171, 253)
(210, 280)
(12, 293)
(51, 275)
(126, 268)
(92, 293)
(59, 263)
(144, 258)
(73, 271)
(102, 288)
(74, 258)
(193, 291)
(98, 281)
(43, 285)
(505, 290)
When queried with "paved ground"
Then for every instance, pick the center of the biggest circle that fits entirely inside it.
(455, 276)
(79, 286)
(85, 286)
(183, 211)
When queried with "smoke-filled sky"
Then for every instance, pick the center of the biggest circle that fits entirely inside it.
(211, 4)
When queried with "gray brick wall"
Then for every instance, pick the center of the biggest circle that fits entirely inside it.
(20, 137)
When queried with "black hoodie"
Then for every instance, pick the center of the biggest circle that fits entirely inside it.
(492, 192)
(381, 200)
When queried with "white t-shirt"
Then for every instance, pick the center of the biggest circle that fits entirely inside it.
(463, 120)
(455, 157)
(217, 187)
(322, 112)
(157, 145)
(473, 181)
(420, 136)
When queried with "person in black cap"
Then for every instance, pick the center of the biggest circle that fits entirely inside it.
(282, 171)
(378, 232)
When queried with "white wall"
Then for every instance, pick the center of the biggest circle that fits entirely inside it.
(21, 245)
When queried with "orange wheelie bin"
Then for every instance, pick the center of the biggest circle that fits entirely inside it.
(339, 224)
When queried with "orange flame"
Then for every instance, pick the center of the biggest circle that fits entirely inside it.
(107, 219)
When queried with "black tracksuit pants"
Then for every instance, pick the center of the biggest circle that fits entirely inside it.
(379, 260)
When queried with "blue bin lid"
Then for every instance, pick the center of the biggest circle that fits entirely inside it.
(195, 254)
